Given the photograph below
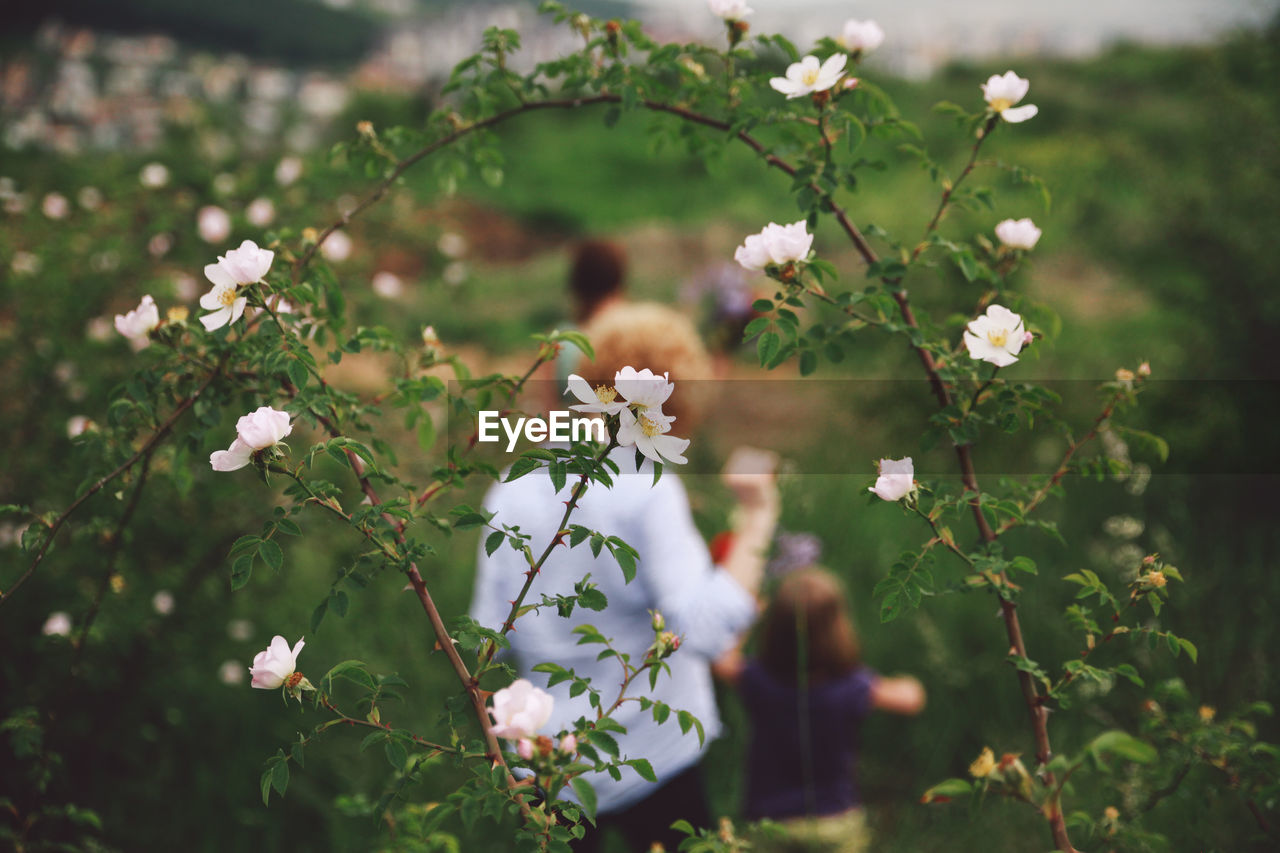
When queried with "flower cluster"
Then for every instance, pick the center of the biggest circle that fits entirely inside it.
(636, 398)
(237, 268)
(258, 430)
(775, 245)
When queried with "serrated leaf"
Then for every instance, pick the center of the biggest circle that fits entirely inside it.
(586, 796)
(271, 554)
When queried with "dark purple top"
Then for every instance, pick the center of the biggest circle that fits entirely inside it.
(795, 770)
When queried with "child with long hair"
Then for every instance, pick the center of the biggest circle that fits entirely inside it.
(807, 693)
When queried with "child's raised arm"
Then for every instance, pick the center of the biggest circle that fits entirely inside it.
(898, 695)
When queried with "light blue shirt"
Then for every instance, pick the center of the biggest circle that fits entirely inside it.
(674, 576)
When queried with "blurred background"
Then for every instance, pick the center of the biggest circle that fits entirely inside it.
(139, 138)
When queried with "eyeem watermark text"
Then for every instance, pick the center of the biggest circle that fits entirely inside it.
(557, 426)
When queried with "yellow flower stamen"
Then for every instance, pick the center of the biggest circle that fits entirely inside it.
(1000, 104)
(809, 77)
(649, 426)
(605, 394)
(998, 337)
(227, 296)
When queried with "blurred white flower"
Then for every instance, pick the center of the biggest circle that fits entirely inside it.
(730, 10)
(807, 76)
(240, 629)
(213, 223)
(775, 244)
(1003, 91)
(90, 198)
(77, 425)
(99, 329)
(520, 710)
(16, 203)
(387, 285)
(138, 324)
(231, 673)
(895, 480)
(336, 247)
(1018, 233)
(185, 287)
(996, 337)
(55, 206)
(159, 245)
(162, 602)
(260, 212)
(154, 175)
(25, 263)
(452, 244)
(288, 170)
(255, 431)
(57, 625)
(863, 36)
(454, 274)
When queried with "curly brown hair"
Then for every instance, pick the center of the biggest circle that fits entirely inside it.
(646, 334)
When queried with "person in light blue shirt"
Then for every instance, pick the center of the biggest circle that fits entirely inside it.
(707, 605)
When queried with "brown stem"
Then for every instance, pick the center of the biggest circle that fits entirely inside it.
(145, 450)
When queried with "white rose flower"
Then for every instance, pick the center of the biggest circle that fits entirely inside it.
(213, 223)
(1003, 91)
(238, 267)
(996, 337)
(139, 323)
(77, 425)
(603, 400)
(57, 625)
(753, 254)
(260, 212)
(274, 666)
(730, 10)
(1018, 233)
(162, 602)
(644, 389)
(225, 302)
(865, 36)
(255, 431)
(807, 76)
(775, 244)
(154, 175)
(896, 479)
(520, 710)
(648, 433)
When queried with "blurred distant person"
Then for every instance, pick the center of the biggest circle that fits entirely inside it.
(597, 281)
(807, 693)
(707, 604)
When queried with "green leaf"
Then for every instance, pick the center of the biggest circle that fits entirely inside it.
(298, 374)
(241, 571)
(396, 754)
(280, 776)
(493, 542)
(271, 554)
(767, 347)
(1124, 745)
(1190, 648)
(604, 740)
(586, 796)
(644, 768)
(426, 431)
(946, 790)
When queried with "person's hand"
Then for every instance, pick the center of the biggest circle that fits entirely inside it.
(749, 474)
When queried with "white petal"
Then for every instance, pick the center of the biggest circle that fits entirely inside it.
(216, 274)
(581, 389)
(1015, 115)
(671, 448)
(216, 320)
(237, 308)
